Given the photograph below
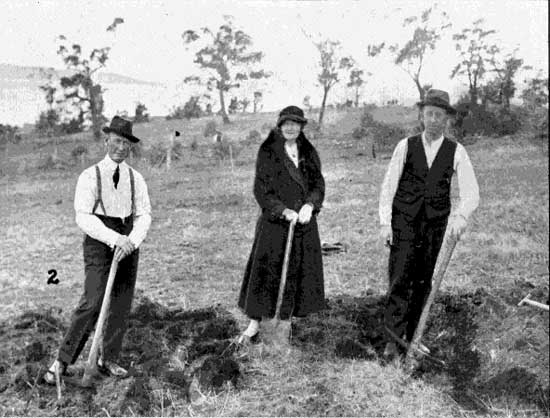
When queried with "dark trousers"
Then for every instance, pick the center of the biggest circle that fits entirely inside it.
(97, 263)
(413, 255)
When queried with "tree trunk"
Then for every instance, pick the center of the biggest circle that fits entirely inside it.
(420, 89)
(357, 97)
(322, 110)
(506, 101)
(96, 109)
(222, 104)
(473, 96)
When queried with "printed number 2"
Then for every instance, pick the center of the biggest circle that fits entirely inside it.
(52, 279)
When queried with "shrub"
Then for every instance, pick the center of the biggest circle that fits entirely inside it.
(141, 114)
(191, 109)
(210, 129)
(47, 123)
(8, 134)
(359, 133)
(224, 149)
(156, 155)
(254, 136)
(385, 135)
(312, 125)
(78, 151)
(50, 163)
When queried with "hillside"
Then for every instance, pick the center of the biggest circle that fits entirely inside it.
(184, 318)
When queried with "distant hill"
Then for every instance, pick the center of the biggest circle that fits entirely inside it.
(21, 99)
(10, 73)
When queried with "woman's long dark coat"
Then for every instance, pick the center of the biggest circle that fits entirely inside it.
(278, 185)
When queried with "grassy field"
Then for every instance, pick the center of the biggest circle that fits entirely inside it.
(194, 257)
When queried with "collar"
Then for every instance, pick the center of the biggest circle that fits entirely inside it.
(109, 164)
(433, 144)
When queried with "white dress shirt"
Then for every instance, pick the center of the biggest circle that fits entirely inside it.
(117, 202)
(468, 189)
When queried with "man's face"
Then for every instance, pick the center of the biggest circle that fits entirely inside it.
(291, 130)
(118, 147)
(435, 120)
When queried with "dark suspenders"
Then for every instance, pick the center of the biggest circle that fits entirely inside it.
(99, 200)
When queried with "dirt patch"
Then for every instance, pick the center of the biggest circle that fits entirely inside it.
(495, 352)
(166, 352)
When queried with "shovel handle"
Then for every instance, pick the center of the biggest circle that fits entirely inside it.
(284, 273)
(91, 365)
(443, 258)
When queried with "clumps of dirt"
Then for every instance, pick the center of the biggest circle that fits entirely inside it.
(167, 352)
(494, 352)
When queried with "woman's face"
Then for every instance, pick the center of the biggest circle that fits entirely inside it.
(291, 130)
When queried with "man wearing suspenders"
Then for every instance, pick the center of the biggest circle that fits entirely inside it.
(415, 203)
(113, 209)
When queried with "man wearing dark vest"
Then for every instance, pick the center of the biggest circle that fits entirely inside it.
(415, 204)
(113, 209)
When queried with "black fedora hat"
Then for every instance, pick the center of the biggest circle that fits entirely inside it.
(293, 113)
(437, 98)
(121, 127)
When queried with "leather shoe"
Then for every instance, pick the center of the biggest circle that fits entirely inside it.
(111, 368)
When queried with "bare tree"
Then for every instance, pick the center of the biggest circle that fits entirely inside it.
(410, 57)
(331, 65)
(225, 58)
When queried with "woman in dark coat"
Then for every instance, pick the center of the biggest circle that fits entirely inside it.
(288, 186)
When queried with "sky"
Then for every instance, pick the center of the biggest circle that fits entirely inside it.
(148, 46)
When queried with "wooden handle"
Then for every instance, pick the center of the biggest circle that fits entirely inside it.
(91, 366)
(443, 258)
(535, 303)
(284, 273)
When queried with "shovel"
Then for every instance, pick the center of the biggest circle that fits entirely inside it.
(91, 367)
(443, 258)
(278, 332)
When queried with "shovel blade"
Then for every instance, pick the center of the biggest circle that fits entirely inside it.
(276, 333)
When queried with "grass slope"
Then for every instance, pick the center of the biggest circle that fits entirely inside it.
(194, 256)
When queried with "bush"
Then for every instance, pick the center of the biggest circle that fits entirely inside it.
(254, 136)
(78, 151)
(385, 135)
(47, 123)
(50, 163)
(224, 149)
(141, 114)
(191, 109)
(156, 155)
(210, 129)
(73, 126)
(8, 134)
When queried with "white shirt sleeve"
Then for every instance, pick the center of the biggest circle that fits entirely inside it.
(391, 181)
(142, 217)
(84, 199)
(468, 189)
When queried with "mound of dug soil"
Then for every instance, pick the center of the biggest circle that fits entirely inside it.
(495, 352)
(169, 354)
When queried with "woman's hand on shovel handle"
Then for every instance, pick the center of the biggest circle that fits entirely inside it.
(123, 248)
(304, 216)
(290, 215)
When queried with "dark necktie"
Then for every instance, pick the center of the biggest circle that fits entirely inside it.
(116, 176)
